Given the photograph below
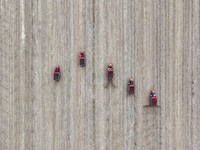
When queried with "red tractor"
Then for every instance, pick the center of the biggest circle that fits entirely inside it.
(110, 75)
(131, 87)
(82, 59)
(56, 74)
(153, 100)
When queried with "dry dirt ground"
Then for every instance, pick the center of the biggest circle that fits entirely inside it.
(157, 42)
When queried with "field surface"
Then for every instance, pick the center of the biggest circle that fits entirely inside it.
(157, 42)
